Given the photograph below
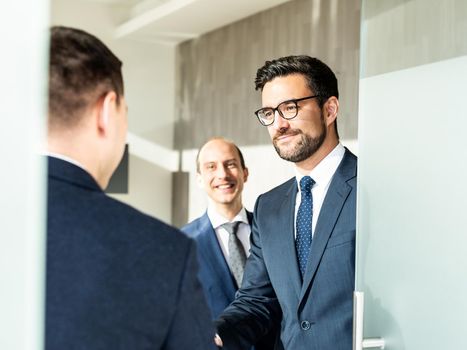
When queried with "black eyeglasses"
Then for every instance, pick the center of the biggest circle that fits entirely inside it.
(287, 110)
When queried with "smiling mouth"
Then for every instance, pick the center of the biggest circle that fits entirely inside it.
(225, 186)
(284, 136)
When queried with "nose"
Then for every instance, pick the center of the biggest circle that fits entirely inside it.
(279, 122)
(221, 172)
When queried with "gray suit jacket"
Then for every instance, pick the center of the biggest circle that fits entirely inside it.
(316, 314)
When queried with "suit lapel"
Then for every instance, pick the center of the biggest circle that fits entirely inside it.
(210, 249)
(335, 198)
(286, 233)
(249, 216)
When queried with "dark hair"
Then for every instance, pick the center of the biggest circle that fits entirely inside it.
(240, 155)
(81, 70)
(321, 79)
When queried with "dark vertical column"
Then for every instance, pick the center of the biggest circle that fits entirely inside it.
(119, 181)
(180, 188)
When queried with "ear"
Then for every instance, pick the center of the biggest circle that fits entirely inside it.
(331, 108)
(106, 108)
(245, 174)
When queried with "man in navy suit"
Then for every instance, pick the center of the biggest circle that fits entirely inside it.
(221, 173)
(116, 278)
(300, 272)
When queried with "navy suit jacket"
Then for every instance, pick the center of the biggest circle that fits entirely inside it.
(116, 278)
(316, 313)
(218, 282)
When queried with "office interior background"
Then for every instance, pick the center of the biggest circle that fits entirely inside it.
(189, 68)
(189, 74)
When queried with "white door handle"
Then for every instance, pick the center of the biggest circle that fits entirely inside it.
(358, 342)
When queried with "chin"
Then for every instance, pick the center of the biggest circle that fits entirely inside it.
(286, 152)
(224, 200)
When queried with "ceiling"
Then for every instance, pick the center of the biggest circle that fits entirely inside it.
(174, 21)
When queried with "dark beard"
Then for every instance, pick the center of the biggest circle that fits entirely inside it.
(305, 148)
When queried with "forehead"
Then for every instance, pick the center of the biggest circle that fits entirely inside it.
(284, 88)
(218, 151)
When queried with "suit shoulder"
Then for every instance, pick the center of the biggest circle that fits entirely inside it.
(280, 190)
(194, 228)
(349, 158)
(141, 223)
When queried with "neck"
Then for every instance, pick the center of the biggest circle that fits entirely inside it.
(229, 211)
(304, 167)
(79, 150)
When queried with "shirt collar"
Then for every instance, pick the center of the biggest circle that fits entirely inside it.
(66, 159)
(218, 220)
(323, 172)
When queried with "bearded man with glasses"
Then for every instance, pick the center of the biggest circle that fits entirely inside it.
(301, 268)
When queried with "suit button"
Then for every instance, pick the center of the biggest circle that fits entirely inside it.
(305, 325)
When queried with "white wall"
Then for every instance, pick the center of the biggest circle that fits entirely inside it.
(145, 180)
(149, 74)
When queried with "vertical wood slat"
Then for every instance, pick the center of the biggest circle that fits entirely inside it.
(216, 71)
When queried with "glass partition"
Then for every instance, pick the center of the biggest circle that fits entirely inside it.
(412, 197)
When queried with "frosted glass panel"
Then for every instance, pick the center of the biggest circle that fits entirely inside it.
(412, 194)
(23, 91)
(412, 235)
(398, 34)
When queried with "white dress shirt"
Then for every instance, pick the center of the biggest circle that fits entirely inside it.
(243, 231)
(322, 175)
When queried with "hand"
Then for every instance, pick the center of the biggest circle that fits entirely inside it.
(218, 341)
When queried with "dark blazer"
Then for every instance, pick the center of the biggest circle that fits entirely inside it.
(218, 282)
(116, 278)
(316, 314)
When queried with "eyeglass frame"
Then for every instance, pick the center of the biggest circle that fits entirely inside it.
(294, 100)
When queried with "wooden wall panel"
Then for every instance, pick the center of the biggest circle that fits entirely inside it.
(215, 83)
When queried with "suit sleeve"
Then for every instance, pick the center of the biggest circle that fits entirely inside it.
(255, 310)
(191, 326)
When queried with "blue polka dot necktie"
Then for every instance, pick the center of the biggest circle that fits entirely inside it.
(303, 223)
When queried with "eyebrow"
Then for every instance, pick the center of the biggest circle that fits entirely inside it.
(224, 161)
(289, 100)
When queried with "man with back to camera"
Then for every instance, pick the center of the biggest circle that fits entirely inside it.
(302, 258)
(222, 233)
(116, 278)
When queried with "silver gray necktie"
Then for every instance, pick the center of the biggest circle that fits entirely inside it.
(237, 256)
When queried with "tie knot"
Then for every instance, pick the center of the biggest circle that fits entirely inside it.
(306, 183)
(231, 227)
